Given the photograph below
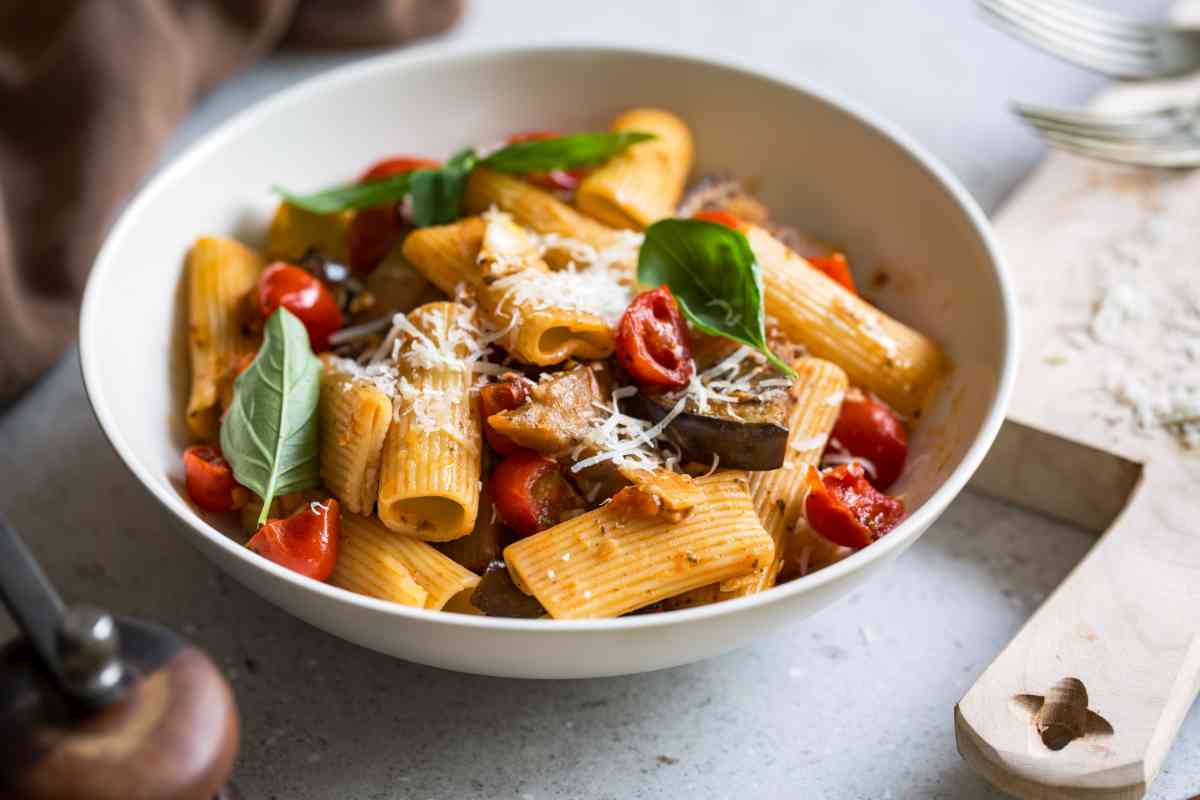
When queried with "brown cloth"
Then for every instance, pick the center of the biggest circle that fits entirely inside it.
(89, 92)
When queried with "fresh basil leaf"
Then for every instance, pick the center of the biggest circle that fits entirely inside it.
(565, 152)
(437, 193)
(269, 436)
(714, 276)
(350, 195)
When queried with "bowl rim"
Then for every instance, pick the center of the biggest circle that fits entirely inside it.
(91, 326)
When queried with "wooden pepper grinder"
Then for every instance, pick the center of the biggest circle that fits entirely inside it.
(93, 708)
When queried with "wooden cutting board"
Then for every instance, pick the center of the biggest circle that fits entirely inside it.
(1086, 700)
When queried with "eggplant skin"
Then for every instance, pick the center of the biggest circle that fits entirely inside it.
(738, 444)
(497, 595)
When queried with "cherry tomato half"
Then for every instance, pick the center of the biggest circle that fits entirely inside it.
(653, 343)
(846, 509)
(837, 267)
(530, 492)
(497, 397)
(721, 218)
(306, 542)
(209, 480)
(564, 179)
(305, 296)
(374, 230)
(868, 428)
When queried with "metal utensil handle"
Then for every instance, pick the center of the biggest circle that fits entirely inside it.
(29, 597)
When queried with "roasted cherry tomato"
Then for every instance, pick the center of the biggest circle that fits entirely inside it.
(397, 165)
(306, 542)
(564, 179)
(846, 509)
(497, 397)
(721, 218)
(209, 480)
(837, 267)
(868, 428)
(530, 492)
(374, 230)
(305, 296)
(653, 343)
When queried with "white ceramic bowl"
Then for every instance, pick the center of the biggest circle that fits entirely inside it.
(824, 165)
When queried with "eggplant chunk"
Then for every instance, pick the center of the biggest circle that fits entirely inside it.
(497, 595)
(756, 439)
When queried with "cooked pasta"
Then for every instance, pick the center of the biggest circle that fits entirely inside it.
(534, 208)
(429, 481)
(294, 232)
(877, 352)
(220, 273)
(602, 564)
(447, 254)
(354, 416)
(389, 566)
(368, 563)
(511, 281)
(557, 402)
(643, 184)
(779, 494)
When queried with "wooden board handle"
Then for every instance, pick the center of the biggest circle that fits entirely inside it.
(1085, 701)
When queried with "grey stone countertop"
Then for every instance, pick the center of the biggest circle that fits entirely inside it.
(853, 703)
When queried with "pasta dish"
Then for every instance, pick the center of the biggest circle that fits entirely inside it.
(549, 377)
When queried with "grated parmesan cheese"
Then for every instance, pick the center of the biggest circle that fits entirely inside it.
(833, 459)
(594, 291)
(804, 445)
(626, 440)
(730, 381)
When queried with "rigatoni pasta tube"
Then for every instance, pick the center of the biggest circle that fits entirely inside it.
(534, 208)
(368, 563)
(877, 352)
(496, 258)
(603, 564)
(446, 254)
(429, 479)
(541, 334)
(483, 544)
(779, 494)
(354, 417)
(643, 184)
(294, 232)
(379, 560)
(220, 274)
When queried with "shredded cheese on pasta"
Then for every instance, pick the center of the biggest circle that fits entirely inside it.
(626, 440)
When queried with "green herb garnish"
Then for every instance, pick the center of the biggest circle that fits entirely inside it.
(269, 436)
(565, 152)
(437, 193)
(350, 195)
(714, 276)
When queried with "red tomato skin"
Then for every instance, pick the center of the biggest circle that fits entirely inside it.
(371, 235)
(837, 267)
(307, 542)
(374, 230)
(721, 218)
(397, 165)
(843, 507)
(497, 397)
(511, 486)
(209, 479)
(868, 428)
(558, 179)
(304, 295)
(653, 343)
